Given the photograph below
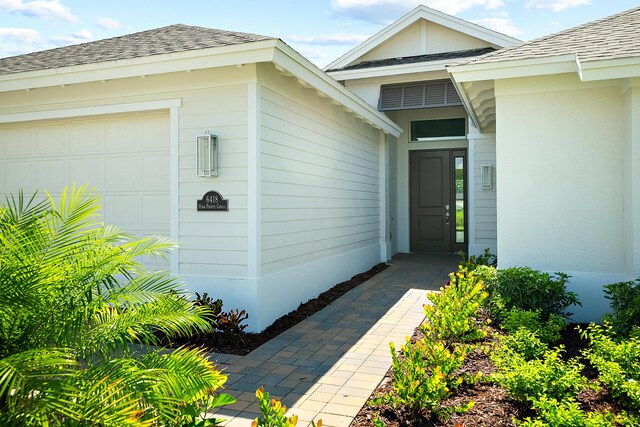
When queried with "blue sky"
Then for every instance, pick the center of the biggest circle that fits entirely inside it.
(322, 30)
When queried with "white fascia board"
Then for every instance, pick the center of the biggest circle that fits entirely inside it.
(610, 69)
(156, 64)
(300, 67)
(432, 15)
(516, 68)
(467, 103)
(390, 70)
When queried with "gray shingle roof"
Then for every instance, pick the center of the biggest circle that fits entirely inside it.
(174, 38)
(614, 37)
(417, 59)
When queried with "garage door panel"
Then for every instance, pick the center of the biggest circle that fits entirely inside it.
(125, 158)
(123, 173)
(86, 138)
(154, 133)
(52, 140)
(154, 171)
(19, 174)
(20, 142)
(87, 171)
(125, 135)
(53, 172)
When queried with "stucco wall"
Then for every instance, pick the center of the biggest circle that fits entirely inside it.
(561, 189)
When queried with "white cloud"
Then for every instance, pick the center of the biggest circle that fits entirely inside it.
(385, 11)
(80, 36)
(313, 54)
(329, 39)
(501, 25)
(555, 5)
(39, 9)
(22, 35)
(108, 23)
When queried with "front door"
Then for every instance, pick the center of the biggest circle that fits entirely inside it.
(437, 196)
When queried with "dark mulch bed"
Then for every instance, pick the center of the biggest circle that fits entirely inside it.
(246, 342)
(492, 406)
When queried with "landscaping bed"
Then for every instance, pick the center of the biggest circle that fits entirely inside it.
(238, 342)
(493, 406)
(495, 350)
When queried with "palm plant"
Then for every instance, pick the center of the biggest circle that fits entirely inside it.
(78, 321)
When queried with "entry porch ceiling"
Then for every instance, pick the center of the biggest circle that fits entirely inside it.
(481, 96)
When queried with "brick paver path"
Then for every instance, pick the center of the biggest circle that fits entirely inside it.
(327, 366)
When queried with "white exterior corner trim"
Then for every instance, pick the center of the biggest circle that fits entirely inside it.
(91, 111)
(301, 68)
(423, 12)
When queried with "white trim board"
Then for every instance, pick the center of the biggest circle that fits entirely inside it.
(91, 111)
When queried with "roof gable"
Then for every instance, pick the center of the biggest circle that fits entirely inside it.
(170, 39)
(412, 32)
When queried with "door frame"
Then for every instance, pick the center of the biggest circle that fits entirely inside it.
(453, 153)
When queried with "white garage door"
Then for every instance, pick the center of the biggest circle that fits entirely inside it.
(125, 158)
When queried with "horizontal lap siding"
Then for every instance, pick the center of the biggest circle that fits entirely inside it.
(214, 243)
(320, 177)
(485, 200)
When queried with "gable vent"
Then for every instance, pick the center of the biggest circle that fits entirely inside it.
(434, 93)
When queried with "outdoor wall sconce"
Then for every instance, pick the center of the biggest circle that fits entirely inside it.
(207, 154)
(486, 177)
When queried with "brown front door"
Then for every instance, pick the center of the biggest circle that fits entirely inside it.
(436, 186)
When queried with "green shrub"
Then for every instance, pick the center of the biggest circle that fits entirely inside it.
(273, 412)
(531, 290)
(548, 332)
(554, 413)
(525, 343)
(530, 380)
(452, 316)
(472, 262)
(227, 323)
(423, 376)
(617, 362)
(625, 305)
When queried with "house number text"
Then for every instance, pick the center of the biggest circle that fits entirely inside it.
(213, 201)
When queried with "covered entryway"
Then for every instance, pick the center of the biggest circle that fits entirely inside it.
(437, 200)
(125, 158)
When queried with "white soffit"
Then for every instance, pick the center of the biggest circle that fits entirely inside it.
(432, 15)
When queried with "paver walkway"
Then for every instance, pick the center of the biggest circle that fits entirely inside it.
(327, 366)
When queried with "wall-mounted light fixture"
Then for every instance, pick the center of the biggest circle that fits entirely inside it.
(486, 177)
(207, 154)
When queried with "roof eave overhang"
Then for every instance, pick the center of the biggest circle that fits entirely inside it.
(621, 68)
(149, 65)
(272, 50)
(307, 73)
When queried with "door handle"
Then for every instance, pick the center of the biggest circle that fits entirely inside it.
(446, 216)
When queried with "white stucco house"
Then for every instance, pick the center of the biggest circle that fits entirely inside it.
(434, 135)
